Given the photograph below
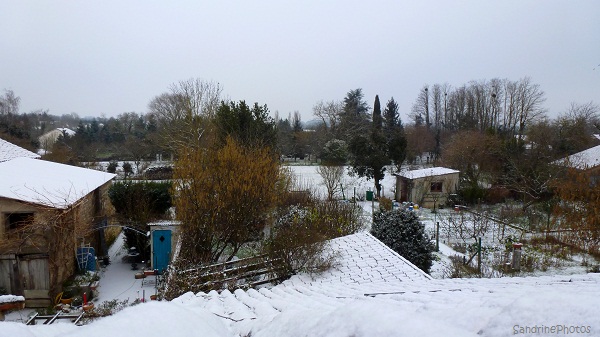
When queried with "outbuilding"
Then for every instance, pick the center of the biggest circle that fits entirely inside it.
(428, 187)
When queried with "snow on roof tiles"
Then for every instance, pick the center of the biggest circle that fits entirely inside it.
(582, 160)
(371, 285)
(10, 151)
(48, 183)
(469, 306)
(361, 258)
(426, 172)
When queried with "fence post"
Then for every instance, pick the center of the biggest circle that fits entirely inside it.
(479, 256)
(437, 236)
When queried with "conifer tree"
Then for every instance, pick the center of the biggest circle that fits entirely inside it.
(402, 231)
(369, 152)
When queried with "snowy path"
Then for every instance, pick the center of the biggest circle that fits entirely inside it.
(117, 280)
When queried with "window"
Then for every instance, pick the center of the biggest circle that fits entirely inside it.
(436, 186)
(18, 220)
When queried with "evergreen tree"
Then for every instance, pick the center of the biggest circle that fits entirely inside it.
(394, 132)
(402, 231)
(377, 119)
(392, 119)
(354, 119)
(369, 152)
(248, 126)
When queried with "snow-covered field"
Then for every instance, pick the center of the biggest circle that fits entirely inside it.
(308, 176)
(356, 299)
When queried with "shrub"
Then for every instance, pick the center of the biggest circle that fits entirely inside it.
(159, 173)
(138, 203)
(127, 168)
(402, 231)
(385, 204)
(112, 167)
(297, 241)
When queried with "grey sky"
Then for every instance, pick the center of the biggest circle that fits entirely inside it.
(109, 57)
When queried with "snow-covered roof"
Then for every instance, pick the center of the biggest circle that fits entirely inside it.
(362, 258)
(426, 172)
(66, 131)
(165, 223)
(48, 183)
(47, 139)
(449, 307)
(10, 151)
(582, 160)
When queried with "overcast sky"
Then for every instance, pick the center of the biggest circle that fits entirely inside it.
(109, 57)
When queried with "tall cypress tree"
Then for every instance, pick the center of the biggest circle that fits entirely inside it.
(369, 152)
(377, 120)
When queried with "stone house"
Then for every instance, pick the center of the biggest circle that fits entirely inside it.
(47, 210)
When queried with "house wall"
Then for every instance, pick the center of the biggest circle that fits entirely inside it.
(30, 243)
(78, 227)
(58, 233)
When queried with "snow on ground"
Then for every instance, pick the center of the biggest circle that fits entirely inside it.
(117, 280)
(356, 298)
(308, 176)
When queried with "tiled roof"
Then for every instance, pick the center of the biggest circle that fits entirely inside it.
(368, 278)
(361, 258)
(10, 151)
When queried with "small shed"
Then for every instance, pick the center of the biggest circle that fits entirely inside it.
(429, 187)
(163, 243)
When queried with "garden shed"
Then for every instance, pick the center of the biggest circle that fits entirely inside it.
(428, 187)
(163, 242)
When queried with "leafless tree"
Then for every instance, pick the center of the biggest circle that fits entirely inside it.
(9, 103)
(329, 113)
(184, 110)
(420, 110)
(529, 103)
(332, 179)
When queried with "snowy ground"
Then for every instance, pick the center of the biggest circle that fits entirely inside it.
(335, 307)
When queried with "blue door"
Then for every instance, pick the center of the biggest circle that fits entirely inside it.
(161, 249)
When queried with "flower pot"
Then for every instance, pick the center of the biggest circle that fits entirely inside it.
(153, 297)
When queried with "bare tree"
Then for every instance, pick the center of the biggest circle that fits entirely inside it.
(332, 179)
(529, 104)
(329, 113)
(184, 110)
(9, 103)
(420, 109)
